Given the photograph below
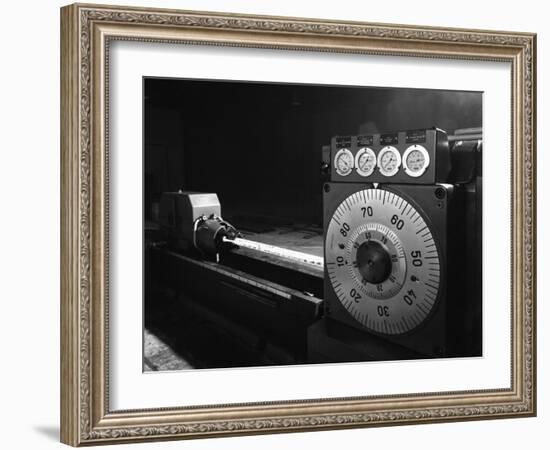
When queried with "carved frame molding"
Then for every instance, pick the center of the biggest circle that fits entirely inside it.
(86, 31)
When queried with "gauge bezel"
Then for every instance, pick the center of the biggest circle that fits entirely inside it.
(358, 155)
(338, 153)
(384, 150)
(426, 155)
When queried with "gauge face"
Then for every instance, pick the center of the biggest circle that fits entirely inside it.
(416, 160)
(343, 162)
(389, 161)
(382, 261)
(365, 162)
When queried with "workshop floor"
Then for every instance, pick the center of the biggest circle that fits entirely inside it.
(158, 356)
(177, 338)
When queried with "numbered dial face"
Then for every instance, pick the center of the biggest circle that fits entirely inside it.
(416, 160)
(389, 161)
(382, 261)
(365, 162)
(343, 162)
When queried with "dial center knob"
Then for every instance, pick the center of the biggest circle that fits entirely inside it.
(374, 262)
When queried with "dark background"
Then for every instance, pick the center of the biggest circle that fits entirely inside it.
(258, 145)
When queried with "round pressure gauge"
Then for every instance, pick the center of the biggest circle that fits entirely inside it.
(365, 162)
(389, 161)
(416, 160)
(343, 162)
(382, 261)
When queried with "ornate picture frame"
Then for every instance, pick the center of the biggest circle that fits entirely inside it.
(86, 34)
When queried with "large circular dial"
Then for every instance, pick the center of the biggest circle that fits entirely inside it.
(343, 162)
(389, 160)
(382, 261)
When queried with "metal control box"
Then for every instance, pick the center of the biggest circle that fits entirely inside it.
(180, 210)
(404, 157)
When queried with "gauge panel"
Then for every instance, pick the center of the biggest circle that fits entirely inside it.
(405, 157)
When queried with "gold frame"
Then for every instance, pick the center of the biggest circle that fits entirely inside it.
(86, 31)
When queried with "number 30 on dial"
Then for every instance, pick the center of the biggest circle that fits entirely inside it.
(382, 261)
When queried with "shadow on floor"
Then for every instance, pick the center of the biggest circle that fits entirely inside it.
(49, 431)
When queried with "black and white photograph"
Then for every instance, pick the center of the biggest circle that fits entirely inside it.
(293, 224)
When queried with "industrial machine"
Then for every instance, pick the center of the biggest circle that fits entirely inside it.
(402, 229)
(399, 276)
(234, 301)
